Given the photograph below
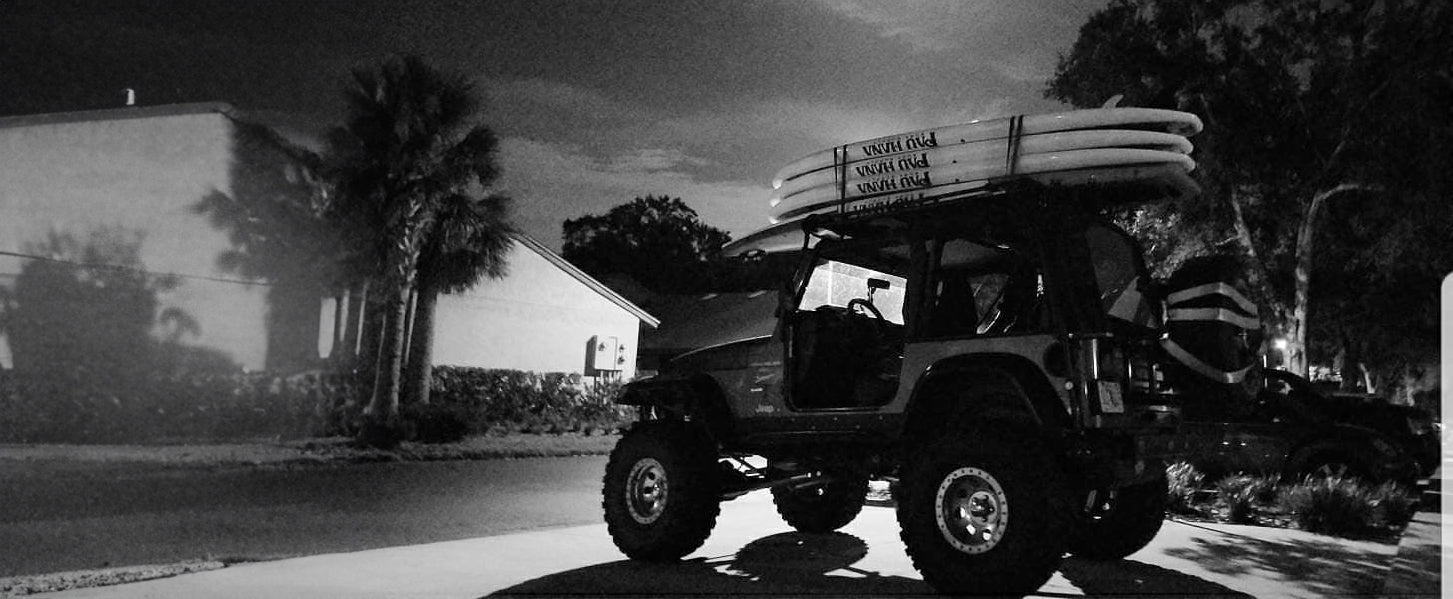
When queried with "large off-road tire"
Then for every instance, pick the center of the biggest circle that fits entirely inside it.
(1121, 522)
(661, 491)
(984, 513)
(822, 508)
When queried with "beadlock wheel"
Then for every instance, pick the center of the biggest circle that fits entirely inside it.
(973, 510)
(647, 491)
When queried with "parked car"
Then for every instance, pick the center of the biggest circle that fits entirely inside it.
(1294, 430)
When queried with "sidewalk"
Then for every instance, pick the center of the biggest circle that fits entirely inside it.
(752, 552)
(1415, 570)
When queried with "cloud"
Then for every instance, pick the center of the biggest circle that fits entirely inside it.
(557, 97)
(992, 34)
(554, 181)
(654, 160)
(926, 25)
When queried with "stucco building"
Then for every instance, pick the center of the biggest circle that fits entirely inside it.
(146, 171)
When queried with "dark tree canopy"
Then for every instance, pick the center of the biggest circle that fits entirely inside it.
(657, 241)
(1324, 155)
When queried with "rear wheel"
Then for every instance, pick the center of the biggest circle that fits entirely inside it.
(661, 491)
(983, 515)
(1121, 522)
(823, 507)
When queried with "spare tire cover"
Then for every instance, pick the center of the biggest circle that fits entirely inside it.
(1213, 329)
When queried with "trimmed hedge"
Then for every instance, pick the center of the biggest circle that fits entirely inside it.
(77, 409)
(465, 401)
(508, 401)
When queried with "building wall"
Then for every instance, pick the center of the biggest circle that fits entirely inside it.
(142, 169)
(537, 318)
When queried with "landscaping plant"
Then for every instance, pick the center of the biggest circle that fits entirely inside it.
(1393, 505)
(1183, 481)
(1241, 494)
(1332, 505)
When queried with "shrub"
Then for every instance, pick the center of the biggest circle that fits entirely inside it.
(77, 408)
(80, 407)
(1336, 506)
(1241, 494)
(1183, 482)
(435, 422)
(496, 400)
(1393, 505)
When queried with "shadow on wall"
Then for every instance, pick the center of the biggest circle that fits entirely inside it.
(274, 219)
(89, 308)
(80, 320)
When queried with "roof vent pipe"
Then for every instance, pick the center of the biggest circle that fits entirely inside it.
(130, 97)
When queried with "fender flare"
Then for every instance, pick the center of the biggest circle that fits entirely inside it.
(695, 397)
(1040, 407)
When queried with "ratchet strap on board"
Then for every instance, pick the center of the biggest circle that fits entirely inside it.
(840, 173)
(1223, 315)
(1011, 151)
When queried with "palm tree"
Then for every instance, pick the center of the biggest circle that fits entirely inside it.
(411, 141)
(469, 242)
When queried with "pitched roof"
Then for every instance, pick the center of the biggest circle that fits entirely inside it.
(117, 114)
(586, 279)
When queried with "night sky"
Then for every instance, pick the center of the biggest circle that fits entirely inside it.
(595, 102)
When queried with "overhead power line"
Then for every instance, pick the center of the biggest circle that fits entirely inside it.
(136, 270)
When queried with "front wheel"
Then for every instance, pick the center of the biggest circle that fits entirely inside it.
(661, 491)
(1121, 522)
(984, 516)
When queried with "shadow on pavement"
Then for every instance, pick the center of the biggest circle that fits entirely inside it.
(782, 564)
(1323, 567)
(794, 564)
(1131, 578)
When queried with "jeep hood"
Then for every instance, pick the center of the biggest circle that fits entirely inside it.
(700, 321)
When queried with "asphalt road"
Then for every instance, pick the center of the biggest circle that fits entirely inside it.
(135, 515)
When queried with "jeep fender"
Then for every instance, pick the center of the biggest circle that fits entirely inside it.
(697, 398)
(1030, 401)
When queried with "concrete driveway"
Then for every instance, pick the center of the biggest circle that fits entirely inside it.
(752, 553)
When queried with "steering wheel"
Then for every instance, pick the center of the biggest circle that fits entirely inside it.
(861, 306)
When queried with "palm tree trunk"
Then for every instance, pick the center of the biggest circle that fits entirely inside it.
(381, 427)
(340, 326)
(420, 372)
(372, 323)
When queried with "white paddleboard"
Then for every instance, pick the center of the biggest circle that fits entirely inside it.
(960, 174)
(1170, 121)
(1164, 180)
(988, 151)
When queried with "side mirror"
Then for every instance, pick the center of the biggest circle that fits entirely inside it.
(876, 284)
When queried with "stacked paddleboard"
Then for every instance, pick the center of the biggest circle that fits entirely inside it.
(1104, 145)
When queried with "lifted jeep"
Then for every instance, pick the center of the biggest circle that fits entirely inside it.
(995, 357)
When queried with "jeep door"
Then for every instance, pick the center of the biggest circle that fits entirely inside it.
(844, 328)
